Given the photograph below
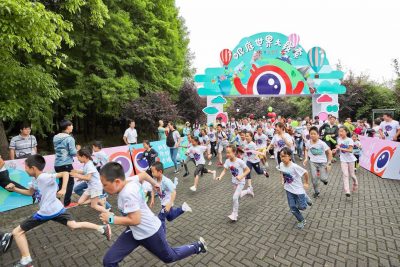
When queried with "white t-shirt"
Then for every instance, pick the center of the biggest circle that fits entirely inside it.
(167, 187)
(316, 151)
(233, 125)
(204, 140)
(176, 136)
(236, 168)
(292, 175)
(221, 136)
(212, 135)
(198, 154)
(94, 183)
(346, 156)
(270, 133)
(246, 127)
(249, 151)
(306, 135)
(46, 187)
(279, 143)
(100, 158)
(131, 135)
(389, 129)
(357, 148)
(132, 199)
(260, 140)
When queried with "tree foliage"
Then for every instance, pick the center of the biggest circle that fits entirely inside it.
(190, 103)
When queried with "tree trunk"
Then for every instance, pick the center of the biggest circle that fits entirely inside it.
(3, 142)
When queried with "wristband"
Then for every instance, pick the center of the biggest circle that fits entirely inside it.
(111, 218)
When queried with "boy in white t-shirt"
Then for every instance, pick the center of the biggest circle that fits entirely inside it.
(239, 171)
(143, 227)
(295, 189)
(100, 158)
(320, 159)
(167, 195)
(45, 187)
(389, 129)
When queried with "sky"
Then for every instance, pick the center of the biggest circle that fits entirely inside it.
(363, 35)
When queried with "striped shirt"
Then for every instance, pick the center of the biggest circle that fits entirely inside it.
(23, 146)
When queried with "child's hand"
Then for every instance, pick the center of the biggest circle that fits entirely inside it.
(104, 217)
(209, 157)
(10, 187)
(306, 185)
(168, 207)
(240, 177)
(305, 162)
(61, 193)
(219, 178)
(334, 151)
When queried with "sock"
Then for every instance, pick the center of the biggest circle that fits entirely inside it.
(101, 230)
(26, 260)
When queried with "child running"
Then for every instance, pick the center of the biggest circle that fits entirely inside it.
(189, 156)
(347, 160)
(143, 227)
(239, 171)
(150, 155)
(357, 148)
(295, 189)
(222, 143)
(253, 162)
(50, 207)
(320, 159)
(92, 176)
(100, 158)
(205, 141)
(280, 140)
(167, 195)
(212, 135)
(198, 153)
(261, 143)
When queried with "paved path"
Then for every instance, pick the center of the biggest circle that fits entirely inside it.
(361, 231)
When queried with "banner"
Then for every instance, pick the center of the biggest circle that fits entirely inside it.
(130, 157)
(381, 157)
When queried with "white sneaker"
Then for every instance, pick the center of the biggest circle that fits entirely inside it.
(233, 217)
(272, 157)
(210, 163)
(251, 192)
(186, 208)
(193, 188)
(176, 181)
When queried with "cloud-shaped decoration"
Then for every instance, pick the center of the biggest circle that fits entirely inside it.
(218, 100)
(326, 87)
(332, 108)
(324, 99)
(210, 110)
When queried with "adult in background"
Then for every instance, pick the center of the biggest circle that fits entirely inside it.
(162, 135)
(65, 150)
(173, 141)
(130, 135)
(24, 144)
(389, 129)
(330, 132)
(186, 130)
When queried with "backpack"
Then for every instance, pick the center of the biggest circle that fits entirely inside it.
(170, 139)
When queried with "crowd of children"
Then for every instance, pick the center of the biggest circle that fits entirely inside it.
(248, 145)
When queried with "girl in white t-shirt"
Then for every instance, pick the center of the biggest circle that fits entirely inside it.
(90, 174)
(205, 141)
(239, 171)
(280, 140)
(357, 148)
(345, 146)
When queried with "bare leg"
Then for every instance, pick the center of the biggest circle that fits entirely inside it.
(196, 181)
(21, 241)
(83, 225)
(94, 203)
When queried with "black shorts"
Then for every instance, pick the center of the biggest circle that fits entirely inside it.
(32, 222)
(200, 169)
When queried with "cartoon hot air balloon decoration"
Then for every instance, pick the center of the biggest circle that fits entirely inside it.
(294, 39)
(226, 57)
(316, 58)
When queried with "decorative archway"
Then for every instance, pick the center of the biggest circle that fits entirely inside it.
(271, 64)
